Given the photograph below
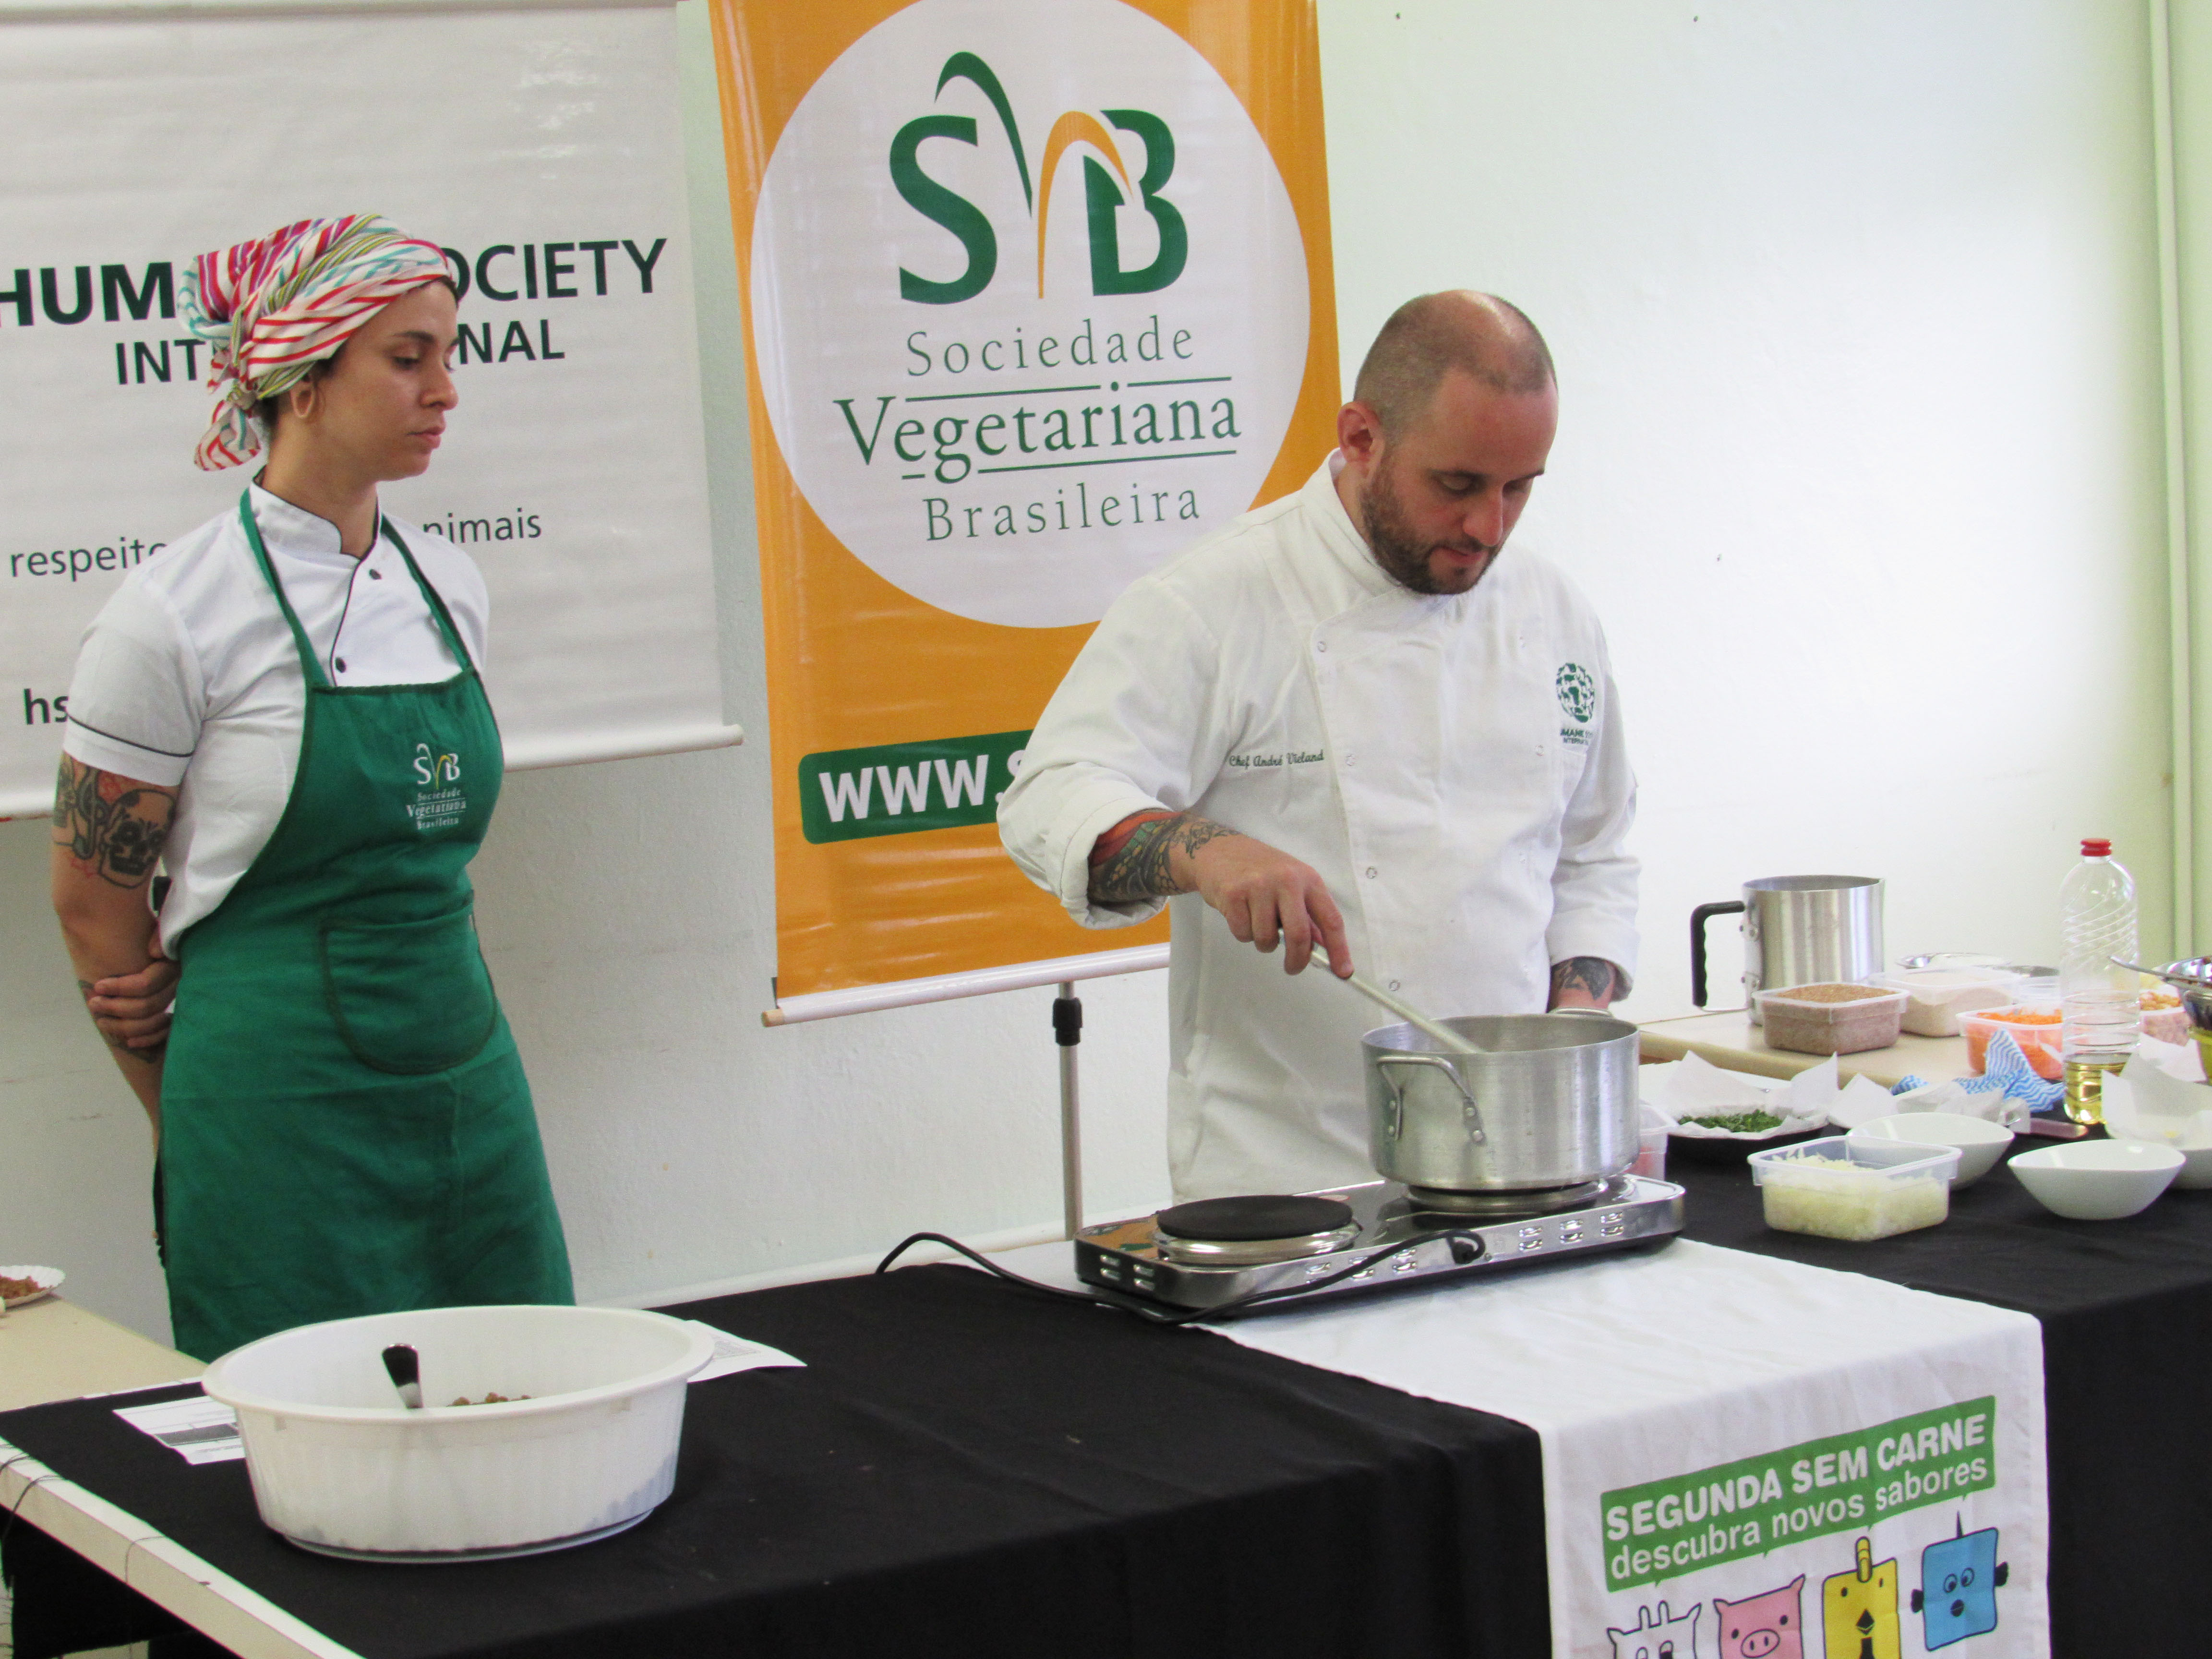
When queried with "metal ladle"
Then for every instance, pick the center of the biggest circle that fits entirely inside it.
(2193, 972)
(1437, 1032)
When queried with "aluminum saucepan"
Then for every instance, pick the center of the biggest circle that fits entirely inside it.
(1550, 1102)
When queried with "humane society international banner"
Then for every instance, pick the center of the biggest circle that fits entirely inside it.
(1036, 295)
(541, 149)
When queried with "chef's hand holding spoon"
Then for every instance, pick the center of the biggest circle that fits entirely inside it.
(1267, 896)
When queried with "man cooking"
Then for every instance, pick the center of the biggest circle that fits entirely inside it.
(1350, 719)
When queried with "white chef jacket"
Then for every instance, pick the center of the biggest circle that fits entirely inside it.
(188, 675)
(1453, 766)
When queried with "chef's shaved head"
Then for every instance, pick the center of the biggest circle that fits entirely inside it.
(1479, 333)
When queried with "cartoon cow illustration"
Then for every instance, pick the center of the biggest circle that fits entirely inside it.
(1958, 1580)
(1858, 1610)
(1768, 1625)
(1658, 1636)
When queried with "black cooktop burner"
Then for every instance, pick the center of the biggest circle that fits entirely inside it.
(1235, 1220)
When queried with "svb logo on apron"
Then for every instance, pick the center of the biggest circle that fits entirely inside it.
(436, 808)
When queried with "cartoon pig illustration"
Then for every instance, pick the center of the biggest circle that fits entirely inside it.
(1958, 1593)
(1858, 1610)
(1665, 1638)
(1768, 1625)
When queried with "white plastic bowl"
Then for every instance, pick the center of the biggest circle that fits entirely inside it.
(341, 1466)
(1980, 1143)
(2098, 1180)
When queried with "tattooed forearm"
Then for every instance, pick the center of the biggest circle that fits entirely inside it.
(1594, 977)
(145, 1056)
(112, 826)
(1141, 868)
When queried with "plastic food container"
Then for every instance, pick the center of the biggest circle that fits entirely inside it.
(2036, 1025)
(2163, 1016)
(1831, 1019)
(1939, 995)
(341, 1466)
(1834, 1187)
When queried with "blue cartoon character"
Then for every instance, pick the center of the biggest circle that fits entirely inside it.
(1659, 1638)
(1958, 1593)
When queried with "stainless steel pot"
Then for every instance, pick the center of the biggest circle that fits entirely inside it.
(1797, 930)
(1552, 1103)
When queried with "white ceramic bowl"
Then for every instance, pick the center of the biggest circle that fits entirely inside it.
(2098, 1180)
(2196, 1168)
(1980, 1143)
(340, 1466)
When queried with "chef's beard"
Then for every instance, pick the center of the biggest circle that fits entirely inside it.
(1391, 539)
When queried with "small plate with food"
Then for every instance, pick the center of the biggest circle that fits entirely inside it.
(20, 1285)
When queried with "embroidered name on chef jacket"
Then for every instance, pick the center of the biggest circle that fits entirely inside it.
(440, 803)
(1577, 690)
(1262, 762)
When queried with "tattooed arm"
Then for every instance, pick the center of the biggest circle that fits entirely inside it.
(1586, 983)
(1266, 896)
(108, 834)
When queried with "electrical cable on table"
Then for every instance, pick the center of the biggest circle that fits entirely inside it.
(1131, 1304)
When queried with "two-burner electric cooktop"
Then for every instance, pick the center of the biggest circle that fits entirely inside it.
(1262, 1252)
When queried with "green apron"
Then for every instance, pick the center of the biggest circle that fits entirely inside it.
(345, 1125)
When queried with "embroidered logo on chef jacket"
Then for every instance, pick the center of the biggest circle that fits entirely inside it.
(1272, 760)
(1578, 691)
(440, 803)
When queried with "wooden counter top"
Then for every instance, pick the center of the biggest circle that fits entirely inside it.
(1731, 1041)
(55, 1350)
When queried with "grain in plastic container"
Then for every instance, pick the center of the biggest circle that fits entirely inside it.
(1831, 1019)
(1938, 996)
(1834, 1187)
(583, 1445)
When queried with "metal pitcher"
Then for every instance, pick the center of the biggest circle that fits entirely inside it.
(1797, 930)
(1550, 1102)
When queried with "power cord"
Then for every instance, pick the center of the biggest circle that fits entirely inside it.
(1184, 1316)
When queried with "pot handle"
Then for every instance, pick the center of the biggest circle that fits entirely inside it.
(1698, 918)
(1398, 1098)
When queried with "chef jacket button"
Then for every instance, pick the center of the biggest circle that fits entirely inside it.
(375, 575)
(1371, 872)
(1320, 645)
(340, 665)
(1394, 984)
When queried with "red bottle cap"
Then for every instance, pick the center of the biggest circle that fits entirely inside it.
(2096, 849)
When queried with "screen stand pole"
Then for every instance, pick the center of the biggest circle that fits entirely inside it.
(1067, 1032)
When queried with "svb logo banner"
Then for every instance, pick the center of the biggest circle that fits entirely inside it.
(1037, 296)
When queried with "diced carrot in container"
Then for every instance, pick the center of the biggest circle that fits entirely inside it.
(2037, 1029)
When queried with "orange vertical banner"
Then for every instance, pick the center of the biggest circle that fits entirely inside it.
(1034, 296)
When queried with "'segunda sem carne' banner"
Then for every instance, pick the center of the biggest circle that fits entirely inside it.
(1036, 295)
(574, 470)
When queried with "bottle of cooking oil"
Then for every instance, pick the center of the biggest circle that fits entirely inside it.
(2101, 1002)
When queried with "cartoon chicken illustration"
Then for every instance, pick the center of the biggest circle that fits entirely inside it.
(1858, 1610)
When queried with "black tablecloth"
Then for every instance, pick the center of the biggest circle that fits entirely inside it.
(965, 1468)
(2126, 1309)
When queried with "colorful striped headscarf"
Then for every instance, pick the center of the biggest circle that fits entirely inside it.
(273, 308)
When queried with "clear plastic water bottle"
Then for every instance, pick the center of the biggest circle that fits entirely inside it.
(2102, 1003)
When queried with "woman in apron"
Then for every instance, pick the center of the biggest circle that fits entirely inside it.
(286, 703)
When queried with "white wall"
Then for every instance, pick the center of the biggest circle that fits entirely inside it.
(1855, 308)
(1854, 305)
